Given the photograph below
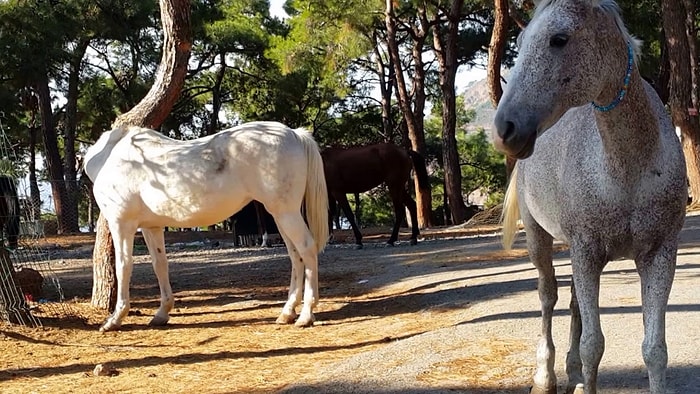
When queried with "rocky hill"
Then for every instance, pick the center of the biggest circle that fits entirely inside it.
(476, 97)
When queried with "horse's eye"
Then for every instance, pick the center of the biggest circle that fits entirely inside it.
(558, 40)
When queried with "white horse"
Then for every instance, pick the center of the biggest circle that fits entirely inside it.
(601, 169)
(145, 180)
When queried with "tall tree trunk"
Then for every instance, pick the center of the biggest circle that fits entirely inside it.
(445, 44)
(413, 115)
(681, 85)
(216, 96)
(691, 32)
(662, 80)
(35, 194)
(386, 78)
(72, 189)
(497, 48)
(54, 164)
(149, 112)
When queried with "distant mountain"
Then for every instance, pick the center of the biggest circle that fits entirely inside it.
(476, 97)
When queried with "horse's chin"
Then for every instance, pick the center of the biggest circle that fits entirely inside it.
(526, 152)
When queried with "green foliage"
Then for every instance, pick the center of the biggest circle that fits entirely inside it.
(377, 208)
(325, 38)
(482, 166)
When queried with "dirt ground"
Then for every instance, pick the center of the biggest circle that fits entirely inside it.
(452, 314)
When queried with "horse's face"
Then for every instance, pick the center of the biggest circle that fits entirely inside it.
(563, 62)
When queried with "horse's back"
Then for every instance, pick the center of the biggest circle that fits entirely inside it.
(359, 169)
(162, 181)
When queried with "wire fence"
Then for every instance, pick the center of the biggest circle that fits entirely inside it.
(29, 289)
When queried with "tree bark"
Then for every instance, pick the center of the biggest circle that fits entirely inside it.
(54, 164)
(216, 96)
(72, 190)
(34, 192)
(412, 114)
(496, 52)
(150, 112)
(386, 78)
(445, 45)
(678, 41)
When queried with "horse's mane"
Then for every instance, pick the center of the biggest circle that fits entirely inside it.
(611, 8)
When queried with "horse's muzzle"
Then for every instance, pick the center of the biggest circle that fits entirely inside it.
(514, 141)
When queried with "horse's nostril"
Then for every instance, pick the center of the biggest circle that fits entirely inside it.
(506, 132)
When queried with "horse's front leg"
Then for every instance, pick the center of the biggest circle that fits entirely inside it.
(587, 263)
(155, 240)
(345, 206)
(539, 246)
(123, 239)
(656, 272)
(399, 213)
(573, 356)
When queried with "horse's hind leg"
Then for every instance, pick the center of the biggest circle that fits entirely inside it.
(302, 251)
(539, 246)
(289, 313)
(399, 213)
(155, 241)
(656, 272)
(413, 211)
(123, 239)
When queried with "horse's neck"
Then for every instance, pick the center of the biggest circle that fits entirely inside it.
(630, 132)
(98, 153)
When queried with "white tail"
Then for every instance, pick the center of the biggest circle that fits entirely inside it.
(511, 212)
(316, 196)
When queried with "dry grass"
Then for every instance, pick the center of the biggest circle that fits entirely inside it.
(221, 337)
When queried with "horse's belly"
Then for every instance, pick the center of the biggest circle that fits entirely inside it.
(548, 220)
(183, 209)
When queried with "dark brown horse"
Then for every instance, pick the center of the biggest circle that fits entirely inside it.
(359, 169)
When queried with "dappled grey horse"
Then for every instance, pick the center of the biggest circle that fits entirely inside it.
(600, 168)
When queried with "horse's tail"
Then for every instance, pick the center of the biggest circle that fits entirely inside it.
(511, 212)
(420, 169)
(316, 197)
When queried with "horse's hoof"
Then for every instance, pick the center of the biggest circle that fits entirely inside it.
(305, 321)
(110, 326)
(285, 319)
(359, 246)
(541, 390)
(414, 241)
(158, 321)
(390, 243)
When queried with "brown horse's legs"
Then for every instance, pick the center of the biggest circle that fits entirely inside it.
(345, 205)
(399, 213)
(260, 216)
(332, 216)
(412, 209)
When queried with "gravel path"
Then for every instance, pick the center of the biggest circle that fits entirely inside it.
(500, 324)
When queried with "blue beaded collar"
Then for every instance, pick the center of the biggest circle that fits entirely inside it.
(625, 85)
